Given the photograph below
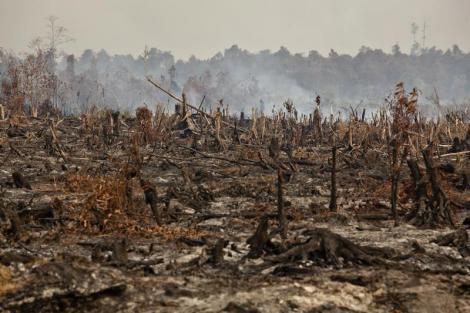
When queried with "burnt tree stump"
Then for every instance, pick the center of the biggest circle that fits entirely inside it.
(151, 198)
(20, 181)
(259, 239)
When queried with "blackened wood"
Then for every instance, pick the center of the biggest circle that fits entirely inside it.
(20, 181)
(280, 205)
(333, 205)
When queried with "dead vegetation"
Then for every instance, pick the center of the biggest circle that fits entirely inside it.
(155, 212)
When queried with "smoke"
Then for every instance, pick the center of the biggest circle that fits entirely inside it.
(264, 80)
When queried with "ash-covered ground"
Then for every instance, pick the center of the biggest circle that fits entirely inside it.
(137, 217)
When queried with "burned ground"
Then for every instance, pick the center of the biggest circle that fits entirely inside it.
(163, 214)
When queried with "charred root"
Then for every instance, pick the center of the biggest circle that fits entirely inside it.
(329, 248)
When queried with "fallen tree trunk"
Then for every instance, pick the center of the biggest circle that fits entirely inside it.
(193, 107)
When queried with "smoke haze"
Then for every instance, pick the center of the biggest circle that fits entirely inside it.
(349, 52)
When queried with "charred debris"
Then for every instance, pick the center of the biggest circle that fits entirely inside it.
(109, 212)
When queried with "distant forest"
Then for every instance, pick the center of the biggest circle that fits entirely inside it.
(244, 80)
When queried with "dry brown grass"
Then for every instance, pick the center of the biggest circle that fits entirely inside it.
(105, 200)
(102, 209)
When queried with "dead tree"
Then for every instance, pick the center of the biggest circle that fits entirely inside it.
(350, 135)
(395, 176)
(274, 148)
(116, 123)
(333, 205)
(438, 209)
(52, 144)
(150, 194)
(280, 204)
(207, 115)
(402, 108)
(183, 96)
(106, 134)
(433, 207)
(144, 117)
(259, 239)
(217, 251)
(419, 184)
(16, 225)
(217, 122)
(464, 182)
(119, 248)
(317, 122)
(236, 135)
(20, 181)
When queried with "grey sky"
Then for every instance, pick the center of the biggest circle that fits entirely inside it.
(205, 27)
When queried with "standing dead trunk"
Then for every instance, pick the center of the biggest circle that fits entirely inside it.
(20, 181)
(333, 205)
(317, 125)
(218, 138)
(419, 186)
(258, 240)
(150, 194)
(34, 110)
(119, 247)
(438, 205)
(280, 205)
(183, 96)
(274, 148)
(395, 175)
(116, 123)
(217, 252)
(350, 135)
(16, 225)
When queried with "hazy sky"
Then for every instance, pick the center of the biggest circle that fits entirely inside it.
(204, 27)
